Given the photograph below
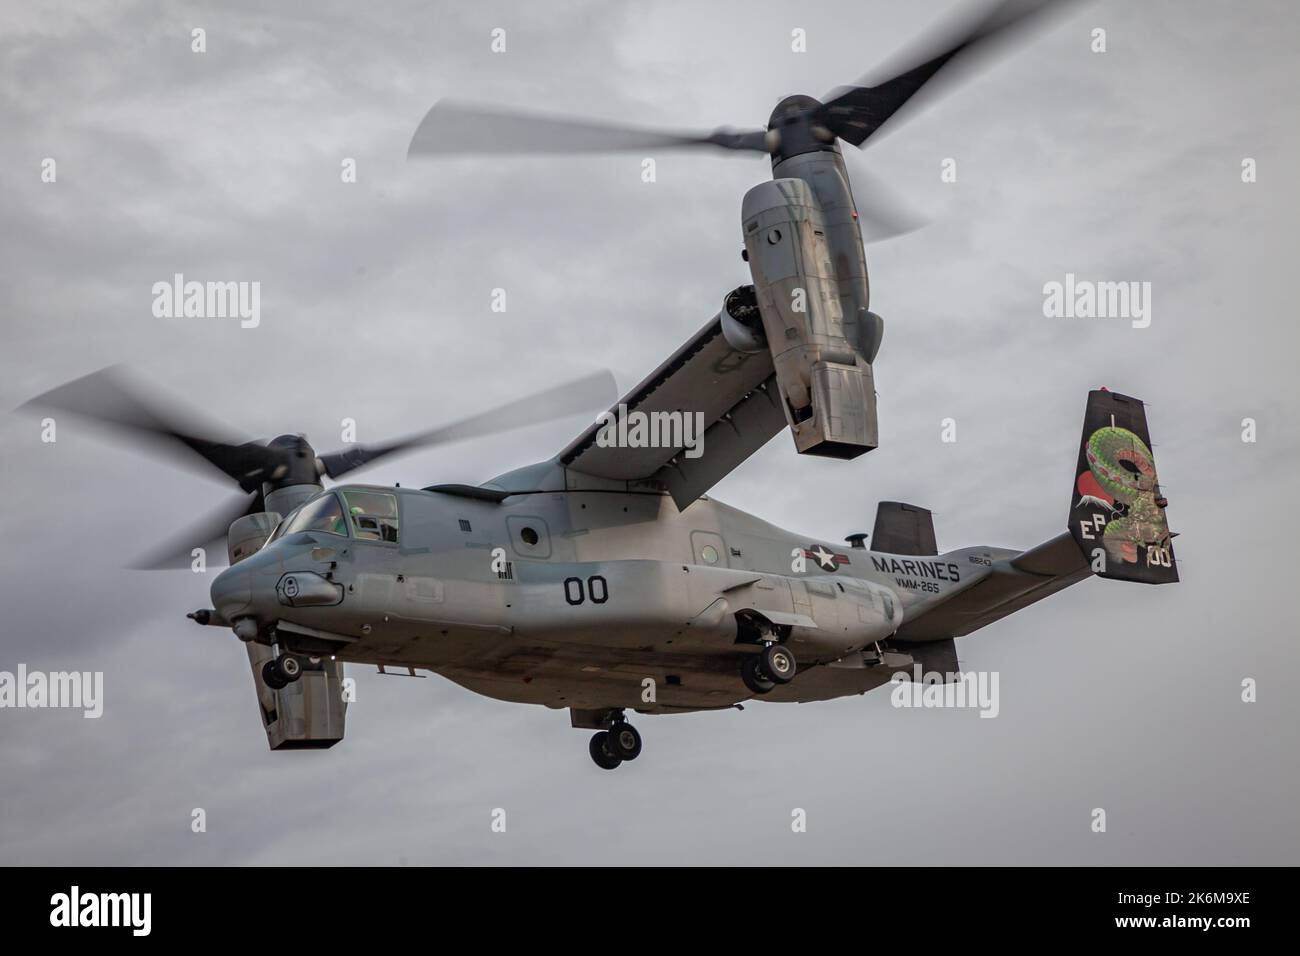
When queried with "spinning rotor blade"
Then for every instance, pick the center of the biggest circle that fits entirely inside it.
(882, 211)
(581, 395)
(855, 113)
(452, 127)
(107, 396)
(206, 534)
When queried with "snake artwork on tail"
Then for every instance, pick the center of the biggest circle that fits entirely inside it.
(1122, 465)
(1120, 504)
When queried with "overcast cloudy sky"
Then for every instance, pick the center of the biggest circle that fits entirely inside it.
(1123, 165)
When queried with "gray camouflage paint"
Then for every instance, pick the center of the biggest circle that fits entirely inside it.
(433, 600)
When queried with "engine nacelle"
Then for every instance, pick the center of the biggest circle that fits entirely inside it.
(822, 362)
(871, 330)
(742, 325)
(247, 534)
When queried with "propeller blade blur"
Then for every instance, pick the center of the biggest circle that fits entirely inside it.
(209, 534)
(855, 113)
(453, 127)
(109, 396)
(590, 392)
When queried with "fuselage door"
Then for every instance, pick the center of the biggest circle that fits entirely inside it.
(375, 558)
(802, 599)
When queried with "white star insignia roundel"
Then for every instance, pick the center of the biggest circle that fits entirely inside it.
(826, 560)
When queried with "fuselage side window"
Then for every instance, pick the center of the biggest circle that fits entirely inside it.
(373, 514)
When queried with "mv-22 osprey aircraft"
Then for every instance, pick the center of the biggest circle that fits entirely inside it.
(604, 580)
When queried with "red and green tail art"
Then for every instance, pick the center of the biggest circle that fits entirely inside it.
(1118, 508)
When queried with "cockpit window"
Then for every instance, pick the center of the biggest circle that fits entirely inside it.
(324, 514)
(278, 531)
(374, 515)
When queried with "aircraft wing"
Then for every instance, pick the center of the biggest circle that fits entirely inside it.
(738, 406)
(1014, 583)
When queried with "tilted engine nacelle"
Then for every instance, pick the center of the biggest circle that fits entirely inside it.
(822, 361)
(247, 534)
(742, 325)
(308, 713)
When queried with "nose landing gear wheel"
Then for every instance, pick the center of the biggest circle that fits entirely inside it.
(271, 676)
(281, 672)
(600, 750)
(751, 673)
(623, 741)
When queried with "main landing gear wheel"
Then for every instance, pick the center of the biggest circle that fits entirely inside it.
(281, 672)
(777, 663)
(600, 750)
(623, 741)
(773, 665)
(751, 673)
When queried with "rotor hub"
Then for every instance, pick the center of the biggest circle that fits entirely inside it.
(296, 463)
(795, 127)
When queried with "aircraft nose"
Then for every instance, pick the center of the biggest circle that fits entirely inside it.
(232, 593)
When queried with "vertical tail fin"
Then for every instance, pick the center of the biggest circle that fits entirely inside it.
(903, 529)
(1117, 514)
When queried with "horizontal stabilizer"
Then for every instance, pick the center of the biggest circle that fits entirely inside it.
(1012, 584)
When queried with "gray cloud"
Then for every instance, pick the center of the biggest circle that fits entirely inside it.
(226, 165)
